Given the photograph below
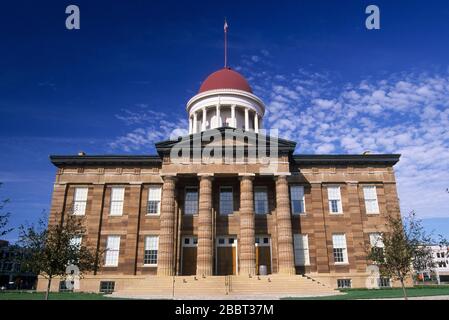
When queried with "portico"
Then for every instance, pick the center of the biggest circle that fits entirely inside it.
(223, 228)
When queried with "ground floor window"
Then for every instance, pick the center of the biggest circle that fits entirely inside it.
(344, 283)
(107, 287)
(151, 249)
(384, 282)
(63, 287)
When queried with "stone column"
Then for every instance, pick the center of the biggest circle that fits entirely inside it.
(284, 227)
(165, 265)
(204, 264)
(203, 124)
(247, 227)
(246, 119)
(195, 123)
(256, 123)
(190, 125)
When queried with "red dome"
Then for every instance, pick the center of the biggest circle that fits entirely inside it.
(225, 79)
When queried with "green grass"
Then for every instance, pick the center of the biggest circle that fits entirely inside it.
(351, 294)
(26, 295)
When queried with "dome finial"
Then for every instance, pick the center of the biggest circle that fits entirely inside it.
(225, 43)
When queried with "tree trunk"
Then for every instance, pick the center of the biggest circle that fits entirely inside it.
(403, 289)
(48, 288)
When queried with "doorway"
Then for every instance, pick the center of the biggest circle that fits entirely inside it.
(226, 258)
(263, 253)
(189, 252)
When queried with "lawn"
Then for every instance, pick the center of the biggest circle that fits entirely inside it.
(27, 295)
(351, 294)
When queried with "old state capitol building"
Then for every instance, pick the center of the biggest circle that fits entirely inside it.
(193, 226)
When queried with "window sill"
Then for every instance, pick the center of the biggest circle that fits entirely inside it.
(110, 266)
(299, 214)
(115, 215)
(341, 263)
(152, 215)
(373, 214)
(150, 265)
(336, 213)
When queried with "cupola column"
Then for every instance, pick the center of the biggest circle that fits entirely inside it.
(246, 119)
(195, 123)
(203, 124)
(233, 121)
(256, 122)
(190, 125)
(217, 113)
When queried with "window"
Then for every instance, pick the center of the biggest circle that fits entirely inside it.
(151, 247)
(344, 283)
(117, 197)
(226, 201)
(76, 241)
(301, 245)
(80, 201)
(260, 200)
(334, 196)
(112, 251)
(371, 203)
(384, 282)
(154, 200)
(340, 251)
(191, 201)
(63, 286)
(107, 287)
(297, 199)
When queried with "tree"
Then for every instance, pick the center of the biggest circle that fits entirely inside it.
(404, 249)
(4, 217)
(50, 250)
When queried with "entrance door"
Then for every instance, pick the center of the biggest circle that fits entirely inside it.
(226, 263)
(189, 249)
(263, 252)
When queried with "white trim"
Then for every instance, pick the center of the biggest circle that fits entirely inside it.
(198, 202)
(303, 200)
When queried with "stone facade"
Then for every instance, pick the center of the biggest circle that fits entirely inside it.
(222, 238)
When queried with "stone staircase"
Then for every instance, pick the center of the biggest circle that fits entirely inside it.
(222, 287)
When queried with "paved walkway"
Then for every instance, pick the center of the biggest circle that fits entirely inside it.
(418, 298)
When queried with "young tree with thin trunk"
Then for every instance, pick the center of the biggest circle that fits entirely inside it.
(405, 249)
(4, 217)
(50, 250)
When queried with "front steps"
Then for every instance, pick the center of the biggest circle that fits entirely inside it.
(213, 287)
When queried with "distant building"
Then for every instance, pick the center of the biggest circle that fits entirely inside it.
(441, 258)
(11, 276)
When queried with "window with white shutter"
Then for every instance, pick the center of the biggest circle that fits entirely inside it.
(297, 200)
(76, 241)
(80, 201)
(112, 251)
(371, 204)
(334, 195)
(301, 247)
(339, 248)
(191, 201)
(154, 200)
(117, 199)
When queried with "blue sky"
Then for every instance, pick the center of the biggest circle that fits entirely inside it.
(121, 83)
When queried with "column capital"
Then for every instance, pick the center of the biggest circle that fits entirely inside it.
(246, 176)
(208, 176)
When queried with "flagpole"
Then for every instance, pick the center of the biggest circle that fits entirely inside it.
(226, 44)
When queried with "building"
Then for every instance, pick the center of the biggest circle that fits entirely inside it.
(440, 270)
(207, 210)
(11, 274)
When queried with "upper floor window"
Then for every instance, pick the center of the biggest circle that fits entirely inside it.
(76, 241)
(226, 201)
(191, 201)
(297, 199)
(260, 200)
(339, 248)
(112, 251)
(117, 199)
(371, 203)
(301, 246)
(154, 200)
(334, 195)
(80, 201)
